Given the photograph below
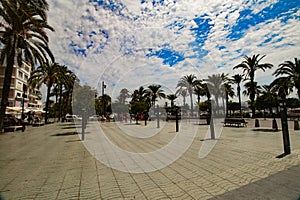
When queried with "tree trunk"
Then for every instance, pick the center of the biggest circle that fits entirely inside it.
(192, 107)
(252, 97)
(7, 81)
(226, 109)
(60, 103)
(240, 101)
(47, 103)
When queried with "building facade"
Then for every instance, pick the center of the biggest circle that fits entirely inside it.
(19, 87)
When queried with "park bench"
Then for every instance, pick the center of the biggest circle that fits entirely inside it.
(238, 122)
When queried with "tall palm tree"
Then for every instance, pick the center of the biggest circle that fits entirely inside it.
(292, 71)
(64, 77)
(172, 97)
(22, 38)
(269, 97)
(228, 93)
(206, 91)
(45, 74)
(182, 92)
(215, 85)
(237, 79)
(249, 66)
(256, 89)
(69, 86)
(188, 82)
(154, 91)
(199, 90)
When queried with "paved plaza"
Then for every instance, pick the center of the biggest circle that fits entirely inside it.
(51, 162)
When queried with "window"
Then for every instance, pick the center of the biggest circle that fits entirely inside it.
(26, 77)
(20, 86)
(20, 74)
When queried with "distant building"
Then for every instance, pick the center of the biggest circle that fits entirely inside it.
(20, 76)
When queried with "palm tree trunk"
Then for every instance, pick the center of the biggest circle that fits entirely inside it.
(60, 103)
(7, 81)
(47, 103)
(226, 111)
(252, 96)
(192, 107)
(239, 96)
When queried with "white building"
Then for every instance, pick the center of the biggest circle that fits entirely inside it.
(32, 97)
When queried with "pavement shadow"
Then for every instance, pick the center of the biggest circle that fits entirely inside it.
(266, 130)
(65, 134)
(69, 141)
(71, 127)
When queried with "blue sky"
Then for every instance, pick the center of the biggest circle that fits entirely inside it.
(131, 43)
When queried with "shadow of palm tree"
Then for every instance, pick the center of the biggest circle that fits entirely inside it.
(265, 130)
(68, 141)
(65, 134)
(71, 127)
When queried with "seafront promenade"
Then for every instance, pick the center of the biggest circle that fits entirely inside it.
(51, 162)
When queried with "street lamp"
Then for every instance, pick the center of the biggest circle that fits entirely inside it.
(23, 102)
(285, 129)
(103, 101)
(157, 115)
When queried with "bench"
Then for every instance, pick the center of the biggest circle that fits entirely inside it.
(238, 122)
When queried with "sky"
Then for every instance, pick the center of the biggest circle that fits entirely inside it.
(130, 43)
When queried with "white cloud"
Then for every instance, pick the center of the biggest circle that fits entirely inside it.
(148, 31)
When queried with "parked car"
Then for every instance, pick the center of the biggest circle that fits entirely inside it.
(94, 118)
(70, 118)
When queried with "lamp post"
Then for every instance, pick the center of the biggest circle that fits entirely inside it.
(23, 102)
(177, 123)
(285, 129)
(103, 101)
(157, 115)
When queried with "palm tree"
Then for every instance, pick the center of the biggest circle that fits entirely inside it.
(283, 86)
(139, 94)
(124, 94)
(188, 82)
(69, 86)
(256, 89)
(268, 97)
(215, 85)
(249, 67)
(22, 38)
(64, 77)
(172, 97)
(182, 92)
(199, 90)
(154, 92)
(292, 70)
(45, 74)
(237, 79)
(228, 93)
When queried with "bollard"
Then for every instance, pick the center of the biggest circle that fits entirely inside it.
(157, 116)
(274, 125)
(256, 123)
(296, 125)
(212, 128)
(177, 124)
